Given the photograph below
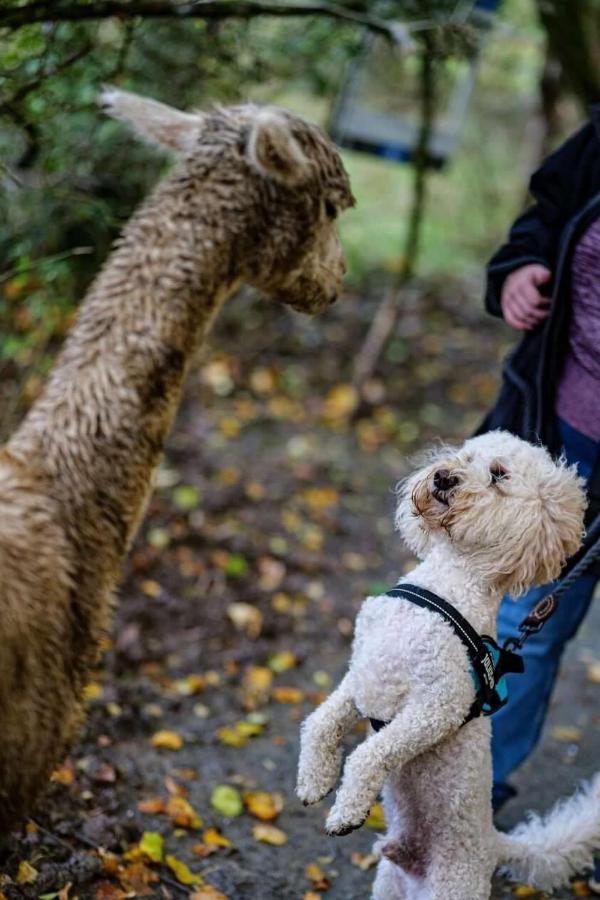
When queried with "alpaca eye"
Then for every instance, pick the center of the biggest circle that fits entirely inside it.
(498, 473)
(330, 210)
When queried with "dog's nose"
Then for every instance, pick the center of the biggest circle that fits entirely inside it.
(443, 480)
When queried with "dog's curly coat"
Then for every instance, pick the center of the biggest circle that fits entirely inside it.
(497, 515)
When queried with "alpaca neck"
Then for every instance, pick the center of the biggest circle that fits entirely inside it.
(448, 574)
(98, 430)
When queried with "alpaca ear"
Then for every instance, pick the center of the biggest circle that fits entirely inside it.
(170, 128)
(274, 151)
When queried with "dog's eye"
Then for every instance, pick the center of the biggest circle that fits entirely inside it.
(498, 473)
(330, 210)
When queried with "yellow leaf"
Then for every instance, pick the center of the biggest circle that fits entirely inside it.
(319, 498)
(92, 691)
(151, 588)
(376, 818)
(269, 834)
(182, 813)
(214, 837)
(281, 662)
(181, 872)
(26, 874)
(287, 695)
(522, 890)
(262, 805)
(152, 845)
(567, 733)
(341, 401)
(167, 740)
(315, 873)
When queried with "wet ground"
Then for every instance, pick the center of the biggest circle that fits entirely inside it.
(271, 521)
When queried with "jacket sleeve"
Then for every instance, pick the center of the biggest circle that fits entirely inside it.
(535, 236)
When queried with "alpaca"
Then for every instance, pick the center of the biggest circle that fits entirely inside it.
(496, 515)
(252, 198)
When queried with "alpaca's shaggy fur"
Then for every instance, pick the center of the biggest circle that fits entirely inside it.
(507, 520)
(251, 198)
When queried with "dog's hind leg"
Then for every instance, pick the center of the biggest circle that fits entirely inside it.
(390, 882)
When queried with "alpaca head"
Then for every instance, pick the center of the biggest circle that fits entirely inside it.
(268, 183)
(499, 502)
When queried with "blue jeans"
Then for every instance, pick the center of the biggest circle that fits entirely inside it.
(517, 726)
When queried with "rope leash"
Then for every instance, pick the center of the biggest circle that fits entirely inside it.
(545, 608)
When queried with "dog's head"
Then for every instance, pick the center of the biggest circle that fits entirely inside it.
(502, 503)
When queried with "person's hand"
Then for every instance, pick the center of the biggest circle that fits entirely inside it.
(523, 305)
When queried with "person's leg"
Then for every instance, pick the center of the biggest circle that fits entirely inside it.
(516, 727)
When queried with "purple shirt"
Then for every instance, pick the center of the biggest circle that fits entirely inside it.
(578, 393)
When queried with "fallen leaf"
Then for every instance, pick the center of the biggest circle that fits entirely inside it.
(186, 497)
(181, 872)
(246, 617)
(227, 800)
(239, 734)
(364, 861)
(149, 847)
(136, 879)
(315, 873)
(191, 684)
(287, 694)
(281, 662)
(213, 836)
(92, 691)
(567, 733)
(181, 813)
(376, 818)
(262, 805)
(208, 892)
(108, 891)
(65, 774)
(151, 588)
(522, 890)
(593, 672)
(26, 873)
(256, 686)
(341, 401)
(152, 807)
(269, 834)
(167, 740)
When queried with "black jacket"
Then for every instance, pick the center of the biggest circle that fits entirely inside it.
(566, 190)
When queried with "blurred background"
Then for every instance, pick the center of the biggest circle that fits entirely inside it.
(273, 511)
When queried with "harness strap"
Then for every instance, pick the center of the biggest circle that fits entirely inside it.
(489, 662)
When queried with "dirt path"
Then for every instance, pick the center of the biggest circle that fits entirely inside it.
(271, 521)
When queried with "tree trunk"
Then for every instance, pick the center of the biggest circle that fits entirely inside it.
(573, 29)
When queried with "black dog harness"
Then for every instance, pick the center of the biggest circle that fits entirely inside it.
(489, 662)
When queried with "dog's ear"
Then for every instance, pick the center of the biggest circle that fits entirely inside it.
(554, 532)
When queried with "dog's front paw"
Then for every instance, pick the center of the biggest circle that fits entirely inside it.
(343, 821)
(310, 791)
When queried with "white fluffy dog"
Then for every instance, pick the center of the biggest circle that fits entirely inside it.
(496, 515)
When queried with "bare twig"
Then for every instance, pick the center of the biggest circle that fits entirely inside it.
(38, 263)
(387, 312)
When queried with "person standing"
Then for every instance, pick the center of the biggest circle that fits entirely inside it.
(545, 282)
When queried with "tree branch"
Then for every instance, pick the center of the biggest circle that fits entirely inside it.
(52, 11)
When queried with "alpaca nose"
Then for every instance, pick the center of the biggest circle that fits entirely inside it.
(443, 480)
